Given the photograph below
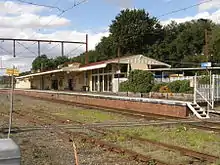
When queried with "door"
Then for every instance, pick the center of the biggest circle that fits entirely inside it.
(55, 84)
(70, 84)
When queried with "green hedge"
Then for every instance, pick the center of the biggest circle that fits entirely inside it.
(156, 87)
(204, 80)
(179, 86)
(138, 82)
(142, 82)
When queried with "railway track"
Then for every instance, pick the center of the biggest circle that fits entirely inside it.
(87, 138)
(98, 128)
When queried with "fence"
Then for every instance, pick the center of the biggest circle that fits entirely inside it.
(208, 92)
(171, 79)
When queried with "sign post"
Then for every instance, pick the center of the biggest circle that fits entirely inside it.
(11, 72)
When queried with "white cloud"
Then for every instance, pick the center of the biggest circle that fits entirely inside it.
(22, 21)
(214, 4)
(215, 17)
(32, 21)
(24, 57)
(10, 7)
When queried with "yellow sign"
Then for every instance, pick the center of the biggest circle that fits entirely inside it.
(14, 72)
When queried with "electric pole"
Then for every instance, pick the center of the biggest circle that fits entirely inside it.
(206, 45)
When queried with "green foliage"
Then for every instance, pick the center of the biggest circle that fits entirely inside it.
(204, 80)
(124, 86)
(175, 86)
(25, 73)
(185, 87)
(44, 63)
(135, 31)
(179, 86)
(156, 87)
(132, 30)
(40, 62)
(138, 82)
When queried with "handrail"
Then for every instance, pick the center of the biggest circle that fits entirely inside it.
(203, 98)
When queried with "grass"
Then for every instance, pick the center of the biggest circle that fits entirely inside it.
(181, 136)
(90, 115)
(154, 152)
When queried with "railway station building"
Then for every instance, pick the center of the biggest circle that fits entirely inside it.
(103, 76)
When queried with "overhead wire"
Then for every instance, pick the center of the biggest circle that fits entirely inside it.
(73, 50)
(40, 5)
(60, 14)
(26, 48)
(5, 50)
(48, 50)
(183, 9)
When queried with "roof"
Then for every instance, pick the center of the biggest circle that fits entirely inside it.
(128, 59)
(184, 69)
(40, 73)
(102, 64)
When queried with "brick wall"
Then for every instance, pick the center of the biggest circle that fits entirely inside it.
(171, 109)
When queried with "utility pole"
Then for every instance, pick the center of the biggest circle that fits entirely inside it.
(11, 102)
(118, 54)
(206, 45)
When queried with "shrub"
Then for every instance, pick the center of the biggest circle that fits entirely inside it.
(175, 86)
(124, 86)
(185, 86)
(204, 80)
(138, 81)
(180, 86)
(156, 87)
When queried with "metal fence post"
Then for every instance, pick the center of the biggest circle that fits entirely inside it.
(213, 91)
(195, 86)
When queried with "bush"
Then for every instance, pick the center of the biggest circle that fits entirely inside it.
(138, 82)
(204, 80)
(180, 86)
(124, 86)
(185, 86)
(156, 87)
(175, 86)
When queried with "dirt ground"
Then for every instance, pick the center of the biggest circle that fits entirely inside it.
(50, 147)
(45, 147)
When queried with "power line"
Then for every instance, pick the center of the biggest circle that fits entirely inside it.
(40, 5)
(5, 50)
(73, 50)
(51, 48)
(26, 47)
(60, 14)
(185, 8)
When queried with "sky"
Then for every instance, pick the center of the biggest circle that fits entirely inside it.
(20, 19)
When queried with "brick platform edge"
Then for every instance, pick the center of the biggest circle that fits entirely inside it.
(143, 105)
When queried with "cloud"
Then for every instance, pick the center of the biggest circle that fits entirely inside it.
(32, 21)
(24, 57)
(10, 7)
(205, 15)
(26, 21)
(214, 4)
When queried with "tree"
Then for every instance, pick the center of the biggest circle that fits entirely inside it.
(60, 60)
(132, 30)
(106, 48)
(40, 62)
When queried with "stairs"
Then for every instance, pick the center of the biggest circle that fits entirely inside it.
(198, 111)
